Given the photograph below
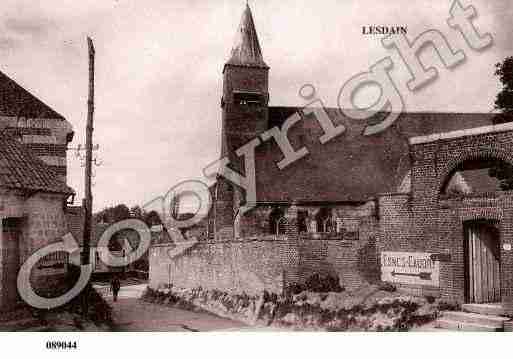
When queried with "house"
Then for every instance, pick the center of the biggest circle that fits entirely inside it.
(33, 190)
(33, 214)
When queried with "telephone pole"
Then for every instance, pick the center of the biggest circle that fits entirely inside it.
(88, 200)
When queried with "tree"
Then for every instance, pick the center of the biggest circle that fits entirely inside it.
(120, 213)
(152, 218)
(113, 214)
(137, 212)
(504, 99)
(504, 103)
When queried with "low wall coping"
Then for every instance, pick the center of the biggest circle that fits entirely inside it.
(461, 133)
(346, 242)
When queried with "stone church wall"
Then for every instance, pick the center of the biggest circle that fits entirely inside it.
(361, 217)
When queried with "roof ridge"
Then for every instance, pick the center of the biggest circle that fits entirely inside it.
(17, 101)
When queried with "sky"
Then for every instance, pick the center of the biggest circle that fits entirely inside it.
(159, 71)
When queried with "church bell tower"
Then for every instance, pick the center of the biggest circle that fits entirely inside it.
(245, 114)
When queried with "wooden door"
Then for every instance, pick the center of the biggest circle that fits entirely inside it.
(10, 256)
(483, 264)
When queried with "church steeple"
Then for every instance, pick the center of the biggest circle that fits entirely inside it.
(245, 115)
(246, 51)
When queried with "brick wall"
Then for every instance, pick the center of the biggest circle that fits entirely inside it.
(428, 221)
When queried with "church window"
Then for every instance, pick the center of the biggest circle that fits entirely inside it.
(275, 220)
(323, 219)
(302, 217)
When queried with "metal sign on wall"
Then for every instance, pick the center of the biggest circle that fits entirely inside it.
(410, 268)
(53, 264)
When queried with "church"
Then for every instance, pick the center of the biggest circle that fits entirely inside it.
(414, 205)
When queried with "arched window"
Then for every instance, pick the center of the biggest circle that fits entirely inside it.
(302, 225)
(328, 225)
(274, 218)
(323, 219)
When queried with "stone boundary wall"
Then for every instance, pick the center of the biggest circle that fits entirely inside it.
(254, 266)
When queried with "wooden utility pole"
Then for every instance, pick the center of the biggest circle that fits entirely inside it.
(88, 201)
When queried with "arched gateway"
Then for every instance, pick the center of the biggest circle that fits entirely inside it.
(460, 212)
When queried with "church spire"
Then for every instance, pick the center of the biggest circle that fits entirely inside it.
(246, 50)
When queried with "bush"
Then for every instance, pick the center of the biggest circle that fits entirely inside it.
(99, 311)
(448, 306)
(323, 283)
(387, 287)
(293, 289)
(430, 299)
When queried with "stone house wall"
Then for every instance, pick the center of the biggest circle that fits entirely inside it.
(42, 221)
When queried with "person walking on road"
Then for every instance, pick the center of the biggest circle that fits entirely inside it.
(115, 286)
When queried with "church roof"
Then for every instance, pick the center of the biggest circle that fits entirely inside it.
(20, 169)
(246, 50)
(351, 167)
(480, 181)
(16, 101)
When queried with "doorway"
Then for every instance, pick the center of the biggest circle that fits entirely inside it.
(482, 262)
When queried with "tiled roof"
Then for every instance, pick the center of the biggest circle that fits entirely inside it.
(20, 169)
(16, 101)
(246, 50)
(351, 167)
